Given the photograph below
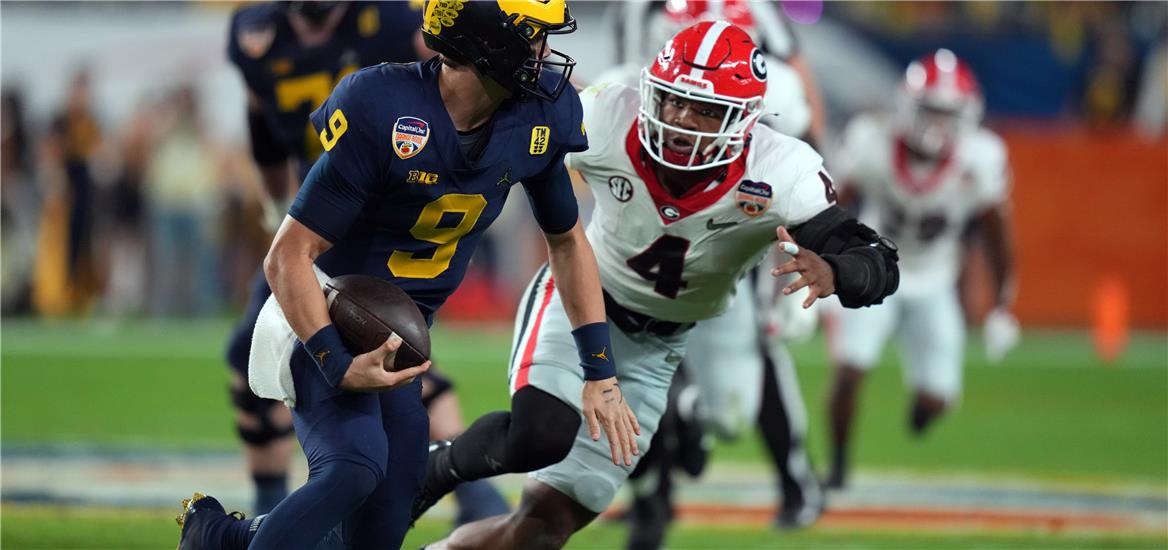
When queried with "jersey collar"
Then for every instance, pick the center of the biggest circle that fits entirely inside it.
(697, 198)
(904, 174)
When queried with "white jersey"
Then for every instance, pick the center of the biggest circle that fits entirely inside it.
(679, 259)
(923, 207)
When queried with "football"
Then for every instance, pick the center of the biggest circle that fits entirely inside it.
(366, 310)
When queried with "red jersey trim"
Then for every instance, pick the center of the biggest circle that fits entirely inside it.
(693, 201)
(521, 377)
(905, 177)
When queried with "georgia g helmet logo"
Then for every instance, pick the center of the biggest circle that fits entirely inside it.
(758, 65)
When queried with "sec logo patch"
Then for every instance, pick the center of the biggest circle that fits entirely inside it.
(621, 188)
(410, 135)
(539, 140)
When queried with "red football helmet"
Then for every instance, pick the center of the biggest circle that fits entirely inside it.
(941, 100)
(712, 62)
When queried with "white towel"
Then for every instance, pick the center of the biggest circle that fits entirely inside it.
(269, 369)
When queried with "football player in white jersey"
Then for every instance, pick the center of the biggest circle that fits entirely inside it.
(690, 195)
(923, 177)
(748, 341)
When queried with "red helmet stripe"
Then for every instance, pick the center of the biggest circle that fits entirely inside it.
(702, 57)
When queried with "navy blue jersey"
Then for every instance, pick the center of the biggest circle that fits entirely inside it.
(292, 80)
(394, 193)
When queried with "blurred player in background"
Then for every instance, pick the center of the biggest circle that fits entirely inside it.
(684, 182)
(925, 177)
(419, 159)
(291, 55)
(747, 341)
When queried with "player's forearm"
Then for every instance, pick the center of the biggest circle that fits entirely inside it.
(814, 99)
(279, 181)
(864, 265)
(578, 279)
(1000, 249)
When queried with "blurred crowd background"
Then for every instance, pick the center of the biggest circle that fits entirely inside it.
(127, 188)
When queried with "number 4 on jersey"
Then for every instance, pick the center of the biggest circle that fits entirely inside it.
(662, 263)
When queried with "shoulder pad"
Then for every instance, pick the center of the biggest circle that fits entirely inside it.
(253, 29)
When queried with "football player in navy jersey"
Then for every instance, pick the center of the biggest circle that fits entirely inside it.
(290, 55)
(417, 162)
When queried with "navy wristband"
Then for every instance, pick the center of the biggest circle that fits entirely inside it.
(595, 351)
(330, 354)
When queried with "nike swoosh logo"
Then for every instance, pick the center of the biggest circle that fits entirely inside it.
(716, 226)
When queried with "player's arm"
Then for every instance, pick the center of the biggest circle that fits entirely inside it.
(277, 170)
(997, 231)
(834, 253)
(332, 197)
(577, 277)
(780, 41)
(267, 149)
(838, 255)
(1000, 330)
(288, 267)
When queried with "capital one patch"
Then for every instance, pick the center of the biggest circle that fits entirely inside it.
(410, 135)
(539, 140)
(754, 197)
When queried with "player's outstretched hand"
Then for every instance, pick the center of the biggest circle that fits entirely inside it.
(605, 406)
(816, 273)
(369, 372)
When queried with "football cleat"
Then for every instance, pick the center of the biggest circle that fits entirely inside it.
(440, 479)
(200, 516)
(797, 517)
(649, 518)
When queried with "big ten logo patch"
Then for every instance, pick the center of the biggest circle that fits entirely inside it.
(539, 139)
(440, 14)
(423, 177)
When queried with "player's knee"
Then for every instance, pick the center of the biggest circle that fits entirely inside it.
(541, 445)
(435, 386)
(356, 478)
(546, 520)
(259, 421)
(543, 430)
(848, 378)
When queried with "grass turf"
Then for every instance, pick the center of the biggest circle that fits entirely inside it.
(1052, 410)
(36, 527)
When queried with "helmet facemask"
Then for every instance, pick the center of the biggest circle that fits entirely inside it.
(528, 76)
(931, 129)
(710, 149)
(939, 103)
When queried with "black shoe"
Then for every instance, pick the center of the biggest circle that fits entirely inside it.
(837, 480)
(693, 446)
(649, 517)
(797, 517)
(200, 521)
(440, 479)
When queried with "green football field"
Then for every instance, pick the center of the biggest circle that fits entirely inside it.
(1051, 413)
